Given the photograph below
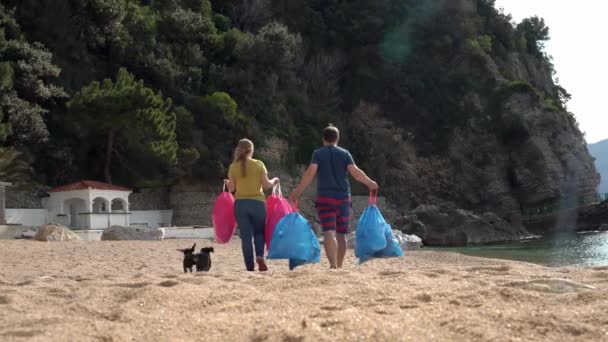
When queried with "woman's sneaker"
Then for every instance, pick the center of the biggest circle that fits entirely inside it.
(261, 265)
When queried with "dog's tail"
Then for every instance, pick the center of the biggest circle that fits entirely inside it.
(183, 250)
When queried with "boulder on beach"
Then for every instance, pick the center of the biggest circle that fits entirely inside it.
(55, 232)
(456, 227)
(120, 233)
(407, 242)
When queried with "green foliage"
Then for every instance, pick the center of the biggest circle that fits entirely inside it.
(184, 121)
(24, 88)
(5, 128)
(6, 76)
(126, 117)
(222, 22)
(481, 46)
(562, 96)
(13, 169)
(254, 69)
(26, 95)
(219, 105)
(535, 33)
(551, 105)
(522, 87)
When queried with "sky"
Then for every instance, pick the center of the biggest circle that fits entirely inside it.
(578, 35)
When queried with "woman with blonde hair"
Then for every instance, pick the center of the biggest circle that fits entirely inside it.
(247, 177)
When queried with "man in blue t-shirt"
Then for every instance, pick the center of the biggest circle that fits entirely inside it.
(332, 164)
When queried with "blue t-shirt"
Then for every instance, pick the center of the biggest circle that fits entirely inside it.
(332, 174)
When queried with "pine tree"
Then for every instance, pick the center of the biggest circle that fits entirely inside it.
(127, 112)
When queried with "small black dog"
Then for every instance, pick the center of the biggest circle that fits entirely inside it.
(203, 259)
(189, 258)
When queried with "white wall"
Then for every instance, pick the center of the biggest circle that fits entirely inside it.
(56, 202)
(119, 220)
(89, 234)
(27, 217)
(38, 217)
(97, 221)
(188, 233)
(153, 218)
(74, 221)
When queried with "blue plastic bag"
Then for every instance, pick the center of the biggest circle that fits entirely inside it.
(370, 237)
(393, 247)
(374, 237)
(294, 239)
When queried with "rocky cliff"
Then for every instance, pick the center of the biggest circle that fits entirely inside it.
(515, 153)
(600, 152)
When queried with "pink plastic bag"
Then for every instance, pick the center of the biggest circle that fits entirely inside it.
(272, 200)
(224, 221)
(277, 207)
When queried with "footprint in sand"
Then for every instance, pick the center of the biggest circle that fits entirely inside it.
(292, 338)
(168, 283)
(134, 285)
(328, 324)
(80, 278)
(22, 333)
(424, 297)
(385, 300)
(491, 269)
(4, 300)
(431, 274)
(553, 285)
(331, 308)
(390, 273)
(383, 312)
(408, 306)
(294, 275)
(600, 268)
(601, 275)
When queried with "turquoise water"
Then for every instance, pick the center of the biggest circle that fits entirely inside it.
(560, 249)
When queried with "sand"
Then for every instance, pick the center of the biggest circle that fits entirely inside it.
(136, 290)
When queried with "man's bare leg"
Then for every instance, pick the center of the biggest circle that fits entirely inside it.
(341, 239)
(331, 247)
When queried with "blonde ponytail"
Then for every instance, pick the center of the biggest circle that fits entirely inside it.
(242, 151)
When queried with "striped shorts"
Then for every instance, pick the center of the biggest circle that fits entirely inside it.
(333, 213)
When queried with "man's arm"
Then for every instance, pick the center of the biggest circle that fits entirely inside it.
(309, 175)
(361, 177)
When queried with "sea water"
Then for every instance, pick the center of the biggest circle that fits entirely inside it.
(558, 249)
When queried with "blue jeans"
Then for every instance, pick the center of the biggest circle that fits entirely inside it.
(251, 219)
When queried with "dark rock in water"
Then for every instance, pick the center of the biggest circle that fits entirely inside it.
(456, 227)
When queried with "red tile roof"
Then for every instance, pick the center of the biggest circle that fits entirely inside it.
(85, 184)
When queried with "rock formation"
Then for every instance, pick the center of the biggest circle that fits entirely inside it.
(55, 232)
(407, 242)
(456, 227)
(517, 153)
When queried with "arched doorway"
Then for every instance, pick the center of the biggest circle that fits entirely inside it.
(119, 205)
(75, 207)
(100, 205)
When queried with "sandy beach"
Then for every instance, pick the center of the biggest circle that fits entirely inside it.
(136, 290)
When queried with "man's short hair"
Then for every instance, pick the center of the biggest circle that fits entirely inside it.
(331, 134)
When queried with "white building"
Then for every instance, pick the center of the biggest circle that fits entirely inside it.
(89, 205)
